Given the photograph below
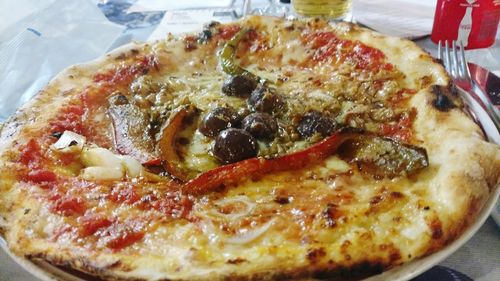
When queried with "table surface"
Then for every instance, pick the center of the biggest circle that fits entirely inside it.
(478, 259)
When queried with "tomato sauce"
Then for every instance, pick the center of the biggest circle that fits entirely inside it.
(67, 158)
(401, 96)
(31, 154)
(67, 205)
(66, 196)
(328, 46)
(226, 32)
(92, 223)
(172, 205)
(124, 194)
(402, 130)
(69, 119)
(124, 239)
(40, 176)
(125, 73)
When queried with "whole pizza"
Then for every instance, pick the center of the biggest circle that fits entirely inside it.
(264, 149)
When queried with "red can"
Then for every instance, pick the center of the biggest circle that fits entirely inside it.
(474, 22)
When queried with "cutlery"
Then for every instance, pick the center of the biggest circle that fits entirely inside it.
(456, 65)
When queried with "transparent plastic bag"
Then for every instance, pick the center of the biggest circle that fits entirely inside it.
(62, 33)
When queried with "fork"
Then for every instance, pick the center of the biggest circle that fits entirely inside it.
(456, 66)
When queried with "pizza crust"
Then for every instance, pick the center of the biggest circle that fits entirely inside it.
(458, 186)
(464, 181)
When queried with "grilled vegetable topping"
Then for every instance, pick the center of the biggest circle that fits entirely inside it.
(233, 145)
(266, 99)
(217, 120)
(383, 157)
(167, 145)
(315, 122)
(131, 129)
(239, 85)
(226, 59)
(405, 160)
(260, 125)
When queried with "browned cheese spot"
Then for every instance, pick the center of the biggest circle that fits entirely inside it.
(397, 194)
(332, 215)
(190, 43)
(393, 252)
(436, 228)
(314, 255)
(426, 81)
(236, 261)
(375, 200)
(282, 200)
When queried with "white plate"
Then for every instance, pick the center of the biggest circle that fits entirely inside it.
(46, 271)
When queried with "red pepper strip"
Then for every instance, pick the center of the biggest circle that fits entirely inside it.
(152, 162)
(235, 172)
(168, 148)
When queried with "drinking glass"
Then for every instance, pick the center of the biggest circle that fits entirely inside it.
(329, 9)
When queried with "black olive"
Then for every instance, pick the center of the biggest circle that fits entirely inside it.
(217, 120)
(265, 99)
(314, 122)
(239, 86)
(260, 125)
(233, 145)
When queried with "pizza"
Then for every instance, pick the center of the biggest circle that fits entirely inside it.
(263, 149)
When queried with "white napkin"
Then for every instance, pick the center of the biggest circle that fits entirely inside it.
(402, 18)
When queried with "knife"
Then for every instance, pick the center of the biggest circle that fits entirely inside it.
(488, 82)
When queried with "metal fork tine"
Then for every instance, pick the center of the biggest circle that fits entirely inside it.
(447, 57)
(460, 74)
(464, 67)
(454, 60)
(440, 55)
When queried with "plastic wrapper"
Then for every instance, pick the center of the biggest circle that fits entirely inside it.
(46, 40)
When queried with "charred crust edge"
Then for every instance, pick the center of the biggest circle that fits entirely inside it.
(443, 97)
(83, 268)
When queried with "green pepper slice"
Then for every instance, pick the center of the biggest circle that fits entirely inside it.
(227, 54)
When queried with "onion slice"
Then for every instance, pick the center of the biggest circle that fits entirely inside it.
(100, 157)
(132, 167)
(250, 235)
(69, 141)
(103, 164)
(102, 173)
(249, 206)
(208, 228)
